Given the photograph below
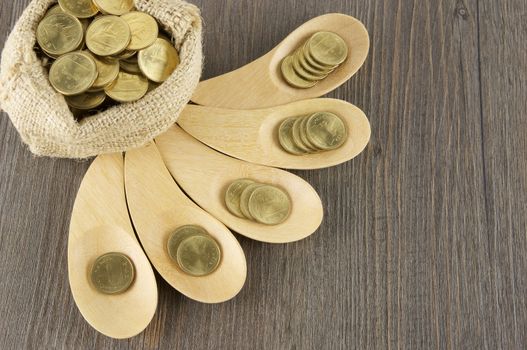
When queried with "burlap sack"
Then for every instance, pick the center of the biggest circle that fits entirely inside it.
(42, 117)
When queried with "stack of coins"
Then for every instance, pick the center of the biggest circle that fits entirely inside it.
(266, 204)
(102, 52)
(318, 132)
(112, 273)
(194, 250)
(321, 54)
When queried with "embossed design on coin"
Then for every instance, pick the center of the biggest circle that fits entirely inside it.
(107, 70)
(326, 131)
(269, 205)
(127, 87)
(59, 33)
(112, 273)
(73, 73)
(114, 7)
(108, 35)
(327, 48)
(79, 8)
(198, 255)
(158, 61)
(144, 30)
(233, 195)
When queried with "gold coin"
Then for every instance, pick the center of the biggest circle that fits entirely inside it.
(199, 255)
(127, 87)
(244, 200)
(114, 7)
(292, 78)
(303, 135)
(112, 273)
(326, 131)
(327, 48)
(269, 205)
(107, 69)
(130, 67)
(158, 61)
(59, 33)
(181, 234)
(144, 30)
(108, 35)
(73, 73)
(285, 136)
(233, 195)
(53, 10)
(88, 100)
(301, 71)
(296, 137)
(79, 8)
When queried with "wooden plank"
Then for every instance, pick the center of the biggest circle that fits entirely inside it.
(423, 243)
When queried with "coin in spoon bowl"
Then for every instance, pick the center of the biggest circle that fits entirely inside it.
(233, 195)
(326, 131)
(198, 255)
(112, 273)
(269, 205)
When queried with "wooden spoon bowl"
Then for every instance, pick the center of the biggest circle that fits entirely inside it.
(205, 175)
(253, 135)
(260, 84)
(158, 208)
(100, 224)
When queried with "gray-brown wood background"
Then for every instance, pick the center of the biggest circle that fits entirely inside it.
(424, 242)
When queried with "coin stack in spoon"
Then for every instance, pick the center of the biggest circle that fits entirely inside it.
(266, 204)
(321, 54)
(101, 52)
(318, 132)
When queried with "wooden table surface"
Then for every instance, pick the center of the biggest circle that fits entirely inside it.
(424, 242)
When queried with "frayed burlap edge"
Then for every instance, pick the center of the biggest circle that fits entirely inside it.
(42, 117)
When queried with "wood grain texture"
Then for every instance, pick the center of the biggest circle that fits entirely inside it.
(424, 240)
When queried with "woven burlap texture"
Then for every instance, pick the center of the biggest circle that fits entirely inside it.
(42, 117)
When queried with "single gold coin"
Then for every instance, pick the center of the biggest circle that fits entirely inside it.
(285, 136)
(79, 8)
(112, 273)
(73, 73)
(181, 234)
(199, 255)
(114, 7)
(244, 200)
(144, 30)
(107, 69)
(130, 67)
(326, 131)
(59, 33)
(233, 195)
(296, 137)
(127, 87)
(327, 48)
(108, 36)
(53, 10)
(292, 77)
(86, 101)
(303, 135)
(158, 61)
(302, 72)
(269, 205)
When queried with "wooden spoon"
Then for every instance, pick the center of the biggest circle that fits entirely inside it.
(158, 208)
(260, 84)
(100, 224)
(205, 174)
(253, 135)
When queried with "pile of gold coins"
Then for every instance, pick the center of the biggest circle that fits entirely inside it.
(112, 273)
(263, 203)
(321, 131)
(102, 52)
(321, 54)
(194, 250)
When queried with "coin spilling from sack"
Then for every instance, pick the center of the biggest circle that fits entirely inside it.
(318, 132)
(103, 52)
(263, 203)
(320, 55)
(194, 250)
